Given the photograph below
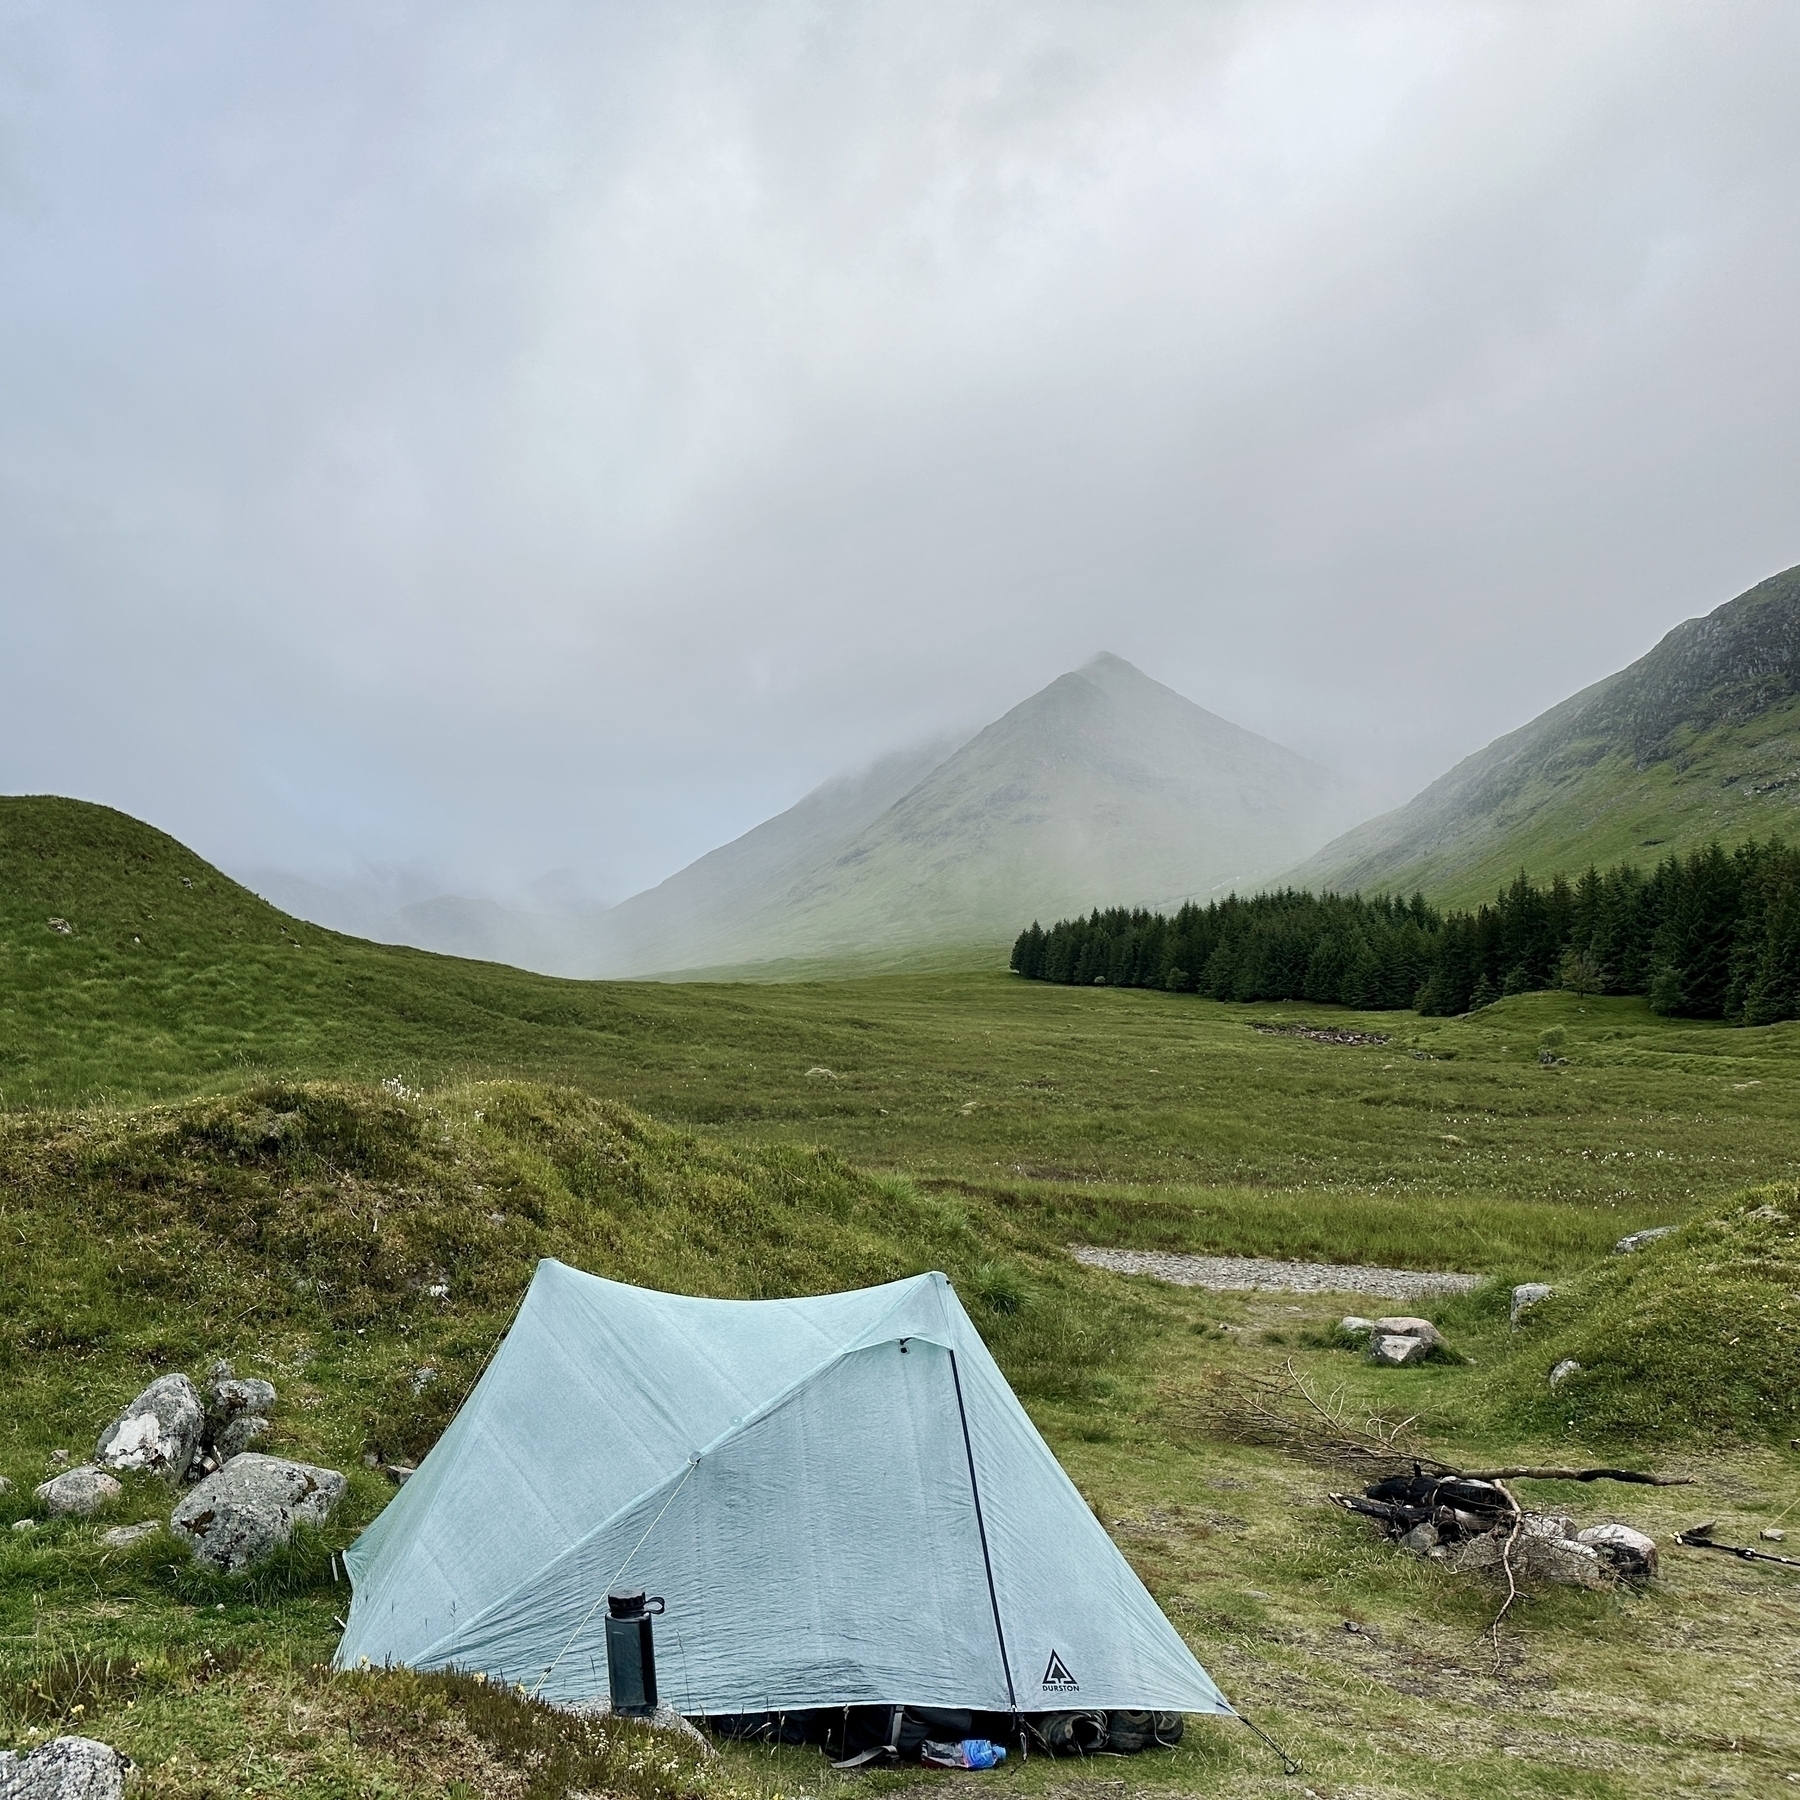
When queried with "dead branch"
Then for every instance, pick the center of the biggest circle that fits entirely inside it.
(1523, 1474)
(1512, 1584)
(1287, 1412)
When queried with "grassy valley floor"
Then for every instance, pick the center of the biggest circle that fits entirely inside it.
(223, 1132)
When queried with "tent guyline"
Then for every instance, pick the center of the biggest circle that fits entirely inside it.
(617, 1577)
(871, 1519)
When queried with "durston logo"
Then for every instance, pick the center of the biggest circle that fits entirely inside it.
(1057, 1677)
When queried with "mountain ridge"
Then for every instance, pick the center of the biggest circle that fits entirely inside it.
(1696, 739)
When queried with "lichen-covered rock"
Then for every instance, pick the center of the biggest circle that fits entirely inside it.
(235, 1518)
(237, 1416)
(66, 1768)
(1626, 1551)
(1565, 1559)
(1393, 1351)
(1354, 1325)
(158, 1432)
(228, 1400)
(1563, 1370)
(82, 1489)
(1526, 1295)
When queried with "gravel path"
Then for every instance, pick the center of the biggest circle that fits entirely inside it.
(1242, 1274)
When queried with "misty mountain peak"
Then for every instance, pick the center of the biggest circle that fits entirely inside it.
(1104, 787)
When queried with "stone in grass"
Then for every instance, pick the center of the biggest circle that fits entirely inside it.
(121, 1535)
(1625, 1551)
(237, 1416)
(1563, 1370)
(83, 1489)
(1544, 1549)
(66, 1768)
(1355, 1326)
(1422, 1329)
(237, 1517)
(1528, 1294)
(1421, 1540)
(1554, 1553)
(158, 1432)
(1393, 1351)
(1636, 1240)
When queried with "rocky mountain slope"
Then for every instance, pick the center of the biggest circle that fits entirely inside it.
(1699, 739)
(1106, 787)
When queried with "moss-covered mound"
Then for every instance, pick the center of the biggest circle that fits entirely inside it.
(1695, 1336)
(364, 1235)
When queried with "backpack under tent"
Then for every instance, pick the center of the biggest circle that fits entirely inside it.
(840, 1499)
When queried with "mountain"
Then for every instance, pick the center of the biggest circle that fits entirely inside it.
(696, 916)
(1699, 739)
(1104, 788)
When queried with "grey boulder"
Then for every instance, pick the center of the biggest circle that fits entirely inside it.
(1563, 1370)
(66, 1768)
(237, 1517)
(1422, 1329)
(158, 1432)
(83, 1489)
(1527, 1294)
(1396, 1342)
(237, 1416)
(1625, 1551)
(1353, 1325)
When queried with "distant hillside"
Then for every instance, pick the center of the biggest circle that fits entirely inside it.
(1105, 787)
(1697, 740)
(696, 916)
(551, 941)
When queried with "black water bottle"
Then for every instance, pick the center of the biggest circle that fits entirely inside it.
(630, 1652)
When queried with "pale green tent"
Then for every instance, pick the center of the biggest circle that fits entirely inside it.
(840, 1499)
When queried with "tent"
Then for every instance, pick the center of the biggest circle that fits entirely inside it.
(840, 1499)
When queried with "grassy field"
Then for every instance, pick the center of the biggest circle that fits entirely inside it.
(226, 1133)
(1150, 1119)
(299, 1229)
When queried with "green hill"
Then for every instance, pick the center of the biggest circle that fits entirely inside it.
(1700, 739)
(1695, 1335)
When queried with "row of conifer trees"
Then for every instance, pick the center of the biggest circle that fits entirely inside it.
(1714, 935)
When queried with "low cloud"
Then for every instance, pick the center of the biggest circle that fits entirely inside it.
(502, 440)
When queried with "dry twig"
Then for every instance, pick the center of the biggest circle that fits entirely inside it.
(1512, 1582)
(1287, 1412)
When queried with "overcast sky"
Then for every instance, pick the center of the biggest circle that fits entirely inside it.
(508, 438)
